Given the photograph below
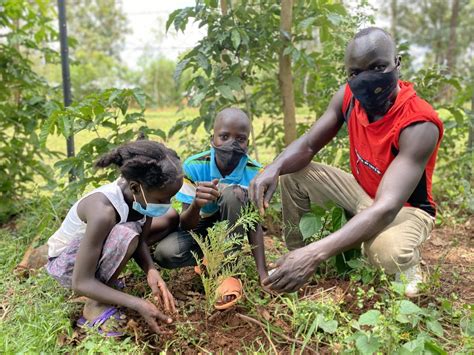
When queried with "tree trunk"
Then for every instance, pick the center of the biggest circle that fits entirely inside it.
(223, 7)
(451, 55)
(394, 20)
(284, 76)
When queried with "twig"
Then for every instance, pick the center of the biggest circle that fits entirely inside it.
(269, 340)
(287, 338)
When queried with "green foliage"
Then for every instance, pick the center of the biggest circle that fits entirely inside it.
(321, 221)
(107, 110)
(221, 249)
(236, 63)
(155, 77)
(454, 165)
(24, 98)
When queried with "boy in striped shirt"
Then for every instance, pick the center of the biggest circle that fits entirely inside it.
(215, 189)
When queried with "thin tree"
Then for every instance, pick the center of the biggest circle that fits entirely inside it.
(285, 76)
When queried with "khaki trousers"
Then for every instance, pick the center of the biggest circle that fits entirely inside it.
(394, 249)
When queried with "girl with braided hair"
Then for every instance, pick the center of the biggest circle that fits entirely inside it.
(111, 224)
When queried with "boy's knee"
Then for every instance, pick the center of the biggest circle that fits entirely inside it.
(167, 250)
(173, 252)
(234, 195)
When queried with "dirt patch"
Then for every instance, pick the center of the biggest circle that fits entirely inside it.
(449, 255)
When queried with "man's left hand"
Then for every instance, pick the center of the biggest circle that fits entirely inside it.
(292, 271)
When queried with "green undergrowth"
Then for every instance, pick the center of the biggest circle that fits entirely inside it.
(361, 311)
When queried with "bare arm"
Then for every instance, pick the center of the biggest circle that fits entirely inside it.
(299, 153)
(417, 143)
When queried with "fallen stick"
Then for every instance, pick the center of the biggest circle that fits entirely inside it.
(287, 338)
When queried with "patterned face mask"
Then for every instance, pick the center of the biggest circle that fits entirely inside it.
(229, 154)
(374, 89)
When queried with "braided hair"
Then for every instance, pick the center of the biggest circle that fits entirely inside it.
(148, 162)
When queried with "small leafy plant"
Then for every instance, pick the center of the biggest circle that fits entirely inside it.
(221, 249)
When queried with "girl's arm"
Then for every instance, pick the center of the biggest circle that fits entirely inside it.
(143, 258)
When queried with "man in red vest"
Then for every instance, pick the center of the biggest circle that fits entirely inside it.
(394, 138)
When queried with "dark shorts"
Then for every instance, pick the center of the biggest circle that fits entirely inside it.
(113, 253)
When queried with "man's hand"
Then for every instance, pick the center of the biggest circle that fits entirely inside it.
(292, 271)
(160, 291)
(151, 314)
(262, 188)
(206, 192)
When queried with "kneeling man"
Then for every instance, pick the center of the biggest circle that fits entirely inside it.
(394, 138)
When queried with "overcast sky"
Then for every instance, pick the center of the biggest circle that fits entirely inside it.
(147, 20)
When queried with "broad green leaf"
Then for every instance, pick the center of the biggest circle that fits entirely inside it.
(235, 83)
(467, 325)
(226, 92)
(434, 348)
(367, 345)
(171, 18)
(370, 317)
(329, 326)
(334, 18)
(338, 218)
(408, 307)
(202, 61)
(310, 224)
(140, 97)
(235, 36)
(180, 68)
(435, 327)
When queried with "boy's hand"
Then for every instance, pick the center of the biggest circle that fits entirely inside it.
(206, 192)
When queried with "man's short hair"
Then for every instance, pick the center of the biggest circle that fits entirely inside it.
(365, 31)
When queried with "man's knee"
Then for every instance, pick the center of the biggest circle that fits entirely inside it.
(392, 259)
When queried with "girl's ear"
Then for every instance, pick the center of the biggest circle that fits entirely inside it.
(134, 187)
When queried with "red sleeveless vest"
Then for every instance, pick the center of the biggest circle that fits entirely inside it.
(374, 145)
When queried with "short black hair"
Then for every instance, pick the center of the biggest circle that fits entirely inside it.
(365, 31)
(150, 163)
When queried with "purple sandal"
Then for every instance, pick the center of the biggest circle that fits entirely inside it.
(106, 315)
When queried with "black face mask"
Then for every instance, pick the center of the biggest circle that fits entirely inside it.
(374, 90)
(229, 154)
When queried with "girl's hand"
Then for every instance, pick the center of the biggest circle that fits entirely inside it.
(160, 291)
(151, 314)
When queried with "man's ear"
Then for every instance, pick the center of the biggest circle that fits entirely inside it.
(398, 62)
